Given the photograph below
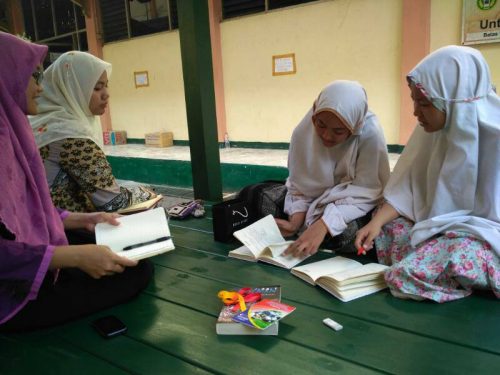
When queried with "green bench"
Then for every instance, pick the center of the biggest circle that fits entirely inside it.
(171, 327)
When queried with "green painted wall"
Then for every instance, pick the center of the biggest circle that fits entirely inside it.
(178, 173)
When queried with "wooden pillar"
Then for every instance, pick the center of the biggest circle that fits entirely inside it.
(196, 54)
(215, 17)
(415, 46)
(15, 17)
(95, 42)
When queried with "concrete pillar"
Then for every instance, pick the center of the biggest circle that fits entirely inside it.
(415, 46)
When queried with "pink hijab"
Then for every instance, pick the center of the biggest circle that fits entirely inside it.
(26, 209)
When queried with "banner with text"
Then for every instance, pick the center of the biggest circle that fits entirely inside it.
(481, 21)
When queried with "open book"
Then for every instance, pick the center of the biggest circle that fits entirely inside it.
(263, 241)
(143, 206)
(138, 236)
(345, 278)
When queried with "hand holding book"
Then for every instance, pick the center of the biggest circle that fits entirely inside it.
(263, 241)
(309, 242)
(138, 236)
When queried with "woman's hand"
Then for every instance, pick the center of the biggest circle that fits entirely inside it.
(292, 225)
(77, 220)
(95, 260)
(366, 235)
(308, 243)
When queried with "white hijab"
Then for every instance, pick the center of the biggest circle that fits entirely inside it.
(450, 179)
(353, 172)
(63, 108)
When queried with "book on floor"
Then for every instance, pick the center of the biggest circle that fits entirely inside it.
(344, 278)
(141, 235)
(263, 241)
(142, 206)
(226, 326)
(264, 314)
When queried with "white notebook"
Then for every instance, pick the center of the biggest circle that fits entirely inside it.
(138, 236)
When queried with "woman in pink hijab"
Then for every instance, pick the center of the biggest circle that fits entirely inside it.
(43, 280)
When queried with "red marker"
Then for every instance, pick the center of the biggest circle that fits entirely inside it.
(361, 251)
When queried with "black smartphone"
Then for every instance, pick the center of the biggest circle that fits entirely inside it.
(109, 326)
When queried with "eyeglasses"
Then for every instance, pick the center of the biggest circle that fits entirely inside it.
(38, 76)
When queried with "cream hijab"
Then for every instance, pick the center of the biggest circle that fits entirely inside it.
(352, 173)
(63, 108)
(449, 180)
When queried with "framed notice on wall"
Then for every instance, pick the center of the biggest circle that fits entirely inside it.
(141, 79)
(481, 21)
(284, 64)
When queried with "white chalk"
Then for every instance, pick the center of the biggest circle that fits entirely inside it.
(332, 324)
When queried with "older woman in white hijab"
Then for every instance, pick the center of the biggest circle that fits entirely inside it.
(69, 136)
(440, 225)
(338, 167)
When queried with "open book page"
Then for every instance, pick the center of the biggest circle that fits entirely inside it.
(276, 249)
(148, 228)
(313, 271)
(327, 282)
(279, 260)
(287, 261)
(349, 295)
(244, 253)
(259, 235)
(370, 271)
(143, 206)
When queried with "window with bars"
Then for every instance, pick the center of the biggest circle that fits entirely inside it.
(60, 24)
(237, 8)
(123, 19)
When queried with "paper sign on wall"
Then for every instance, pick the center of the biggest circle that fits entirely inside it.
(284, 64)
(481, 21)
(141, 79)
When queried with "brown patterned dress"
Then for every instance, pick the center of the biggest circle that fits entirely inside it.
(81, 180)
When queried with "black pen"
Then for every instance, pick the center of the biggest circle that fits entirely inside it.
(161, 239)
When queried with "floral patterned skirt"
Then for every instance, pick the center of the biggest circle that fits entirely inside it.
(443, 268)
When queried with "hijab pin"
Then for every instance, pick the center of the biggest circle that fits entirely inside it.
(42, 129)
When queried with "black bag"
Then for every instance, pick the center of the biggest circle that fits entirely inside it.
(265, 198)
(253, 202)
(229, 216)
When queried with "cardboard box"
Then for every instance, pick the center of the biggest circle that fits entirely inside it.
(159, 139)
(114, 137)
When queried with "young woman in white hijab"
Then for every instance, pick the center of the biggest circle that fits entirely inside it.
(69, 136)
(338, 166)
(440, 225)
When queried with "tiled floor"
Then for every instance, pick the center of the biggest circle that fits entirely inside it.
(266, 157)
(174, 195)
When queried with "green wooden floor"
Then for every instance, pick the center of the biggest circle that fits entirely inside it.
(172, 327)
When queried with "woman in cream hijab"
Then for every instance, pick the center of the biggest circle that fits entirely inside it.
(338, 168)
(69, 136)
(440, 225)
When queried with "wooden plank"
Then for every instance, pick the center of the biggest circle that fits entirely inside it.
(195, 225)
(459, 322)
(189, 335)
(45, 353)
(359, 342)
(172, 327)
(76, 348)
